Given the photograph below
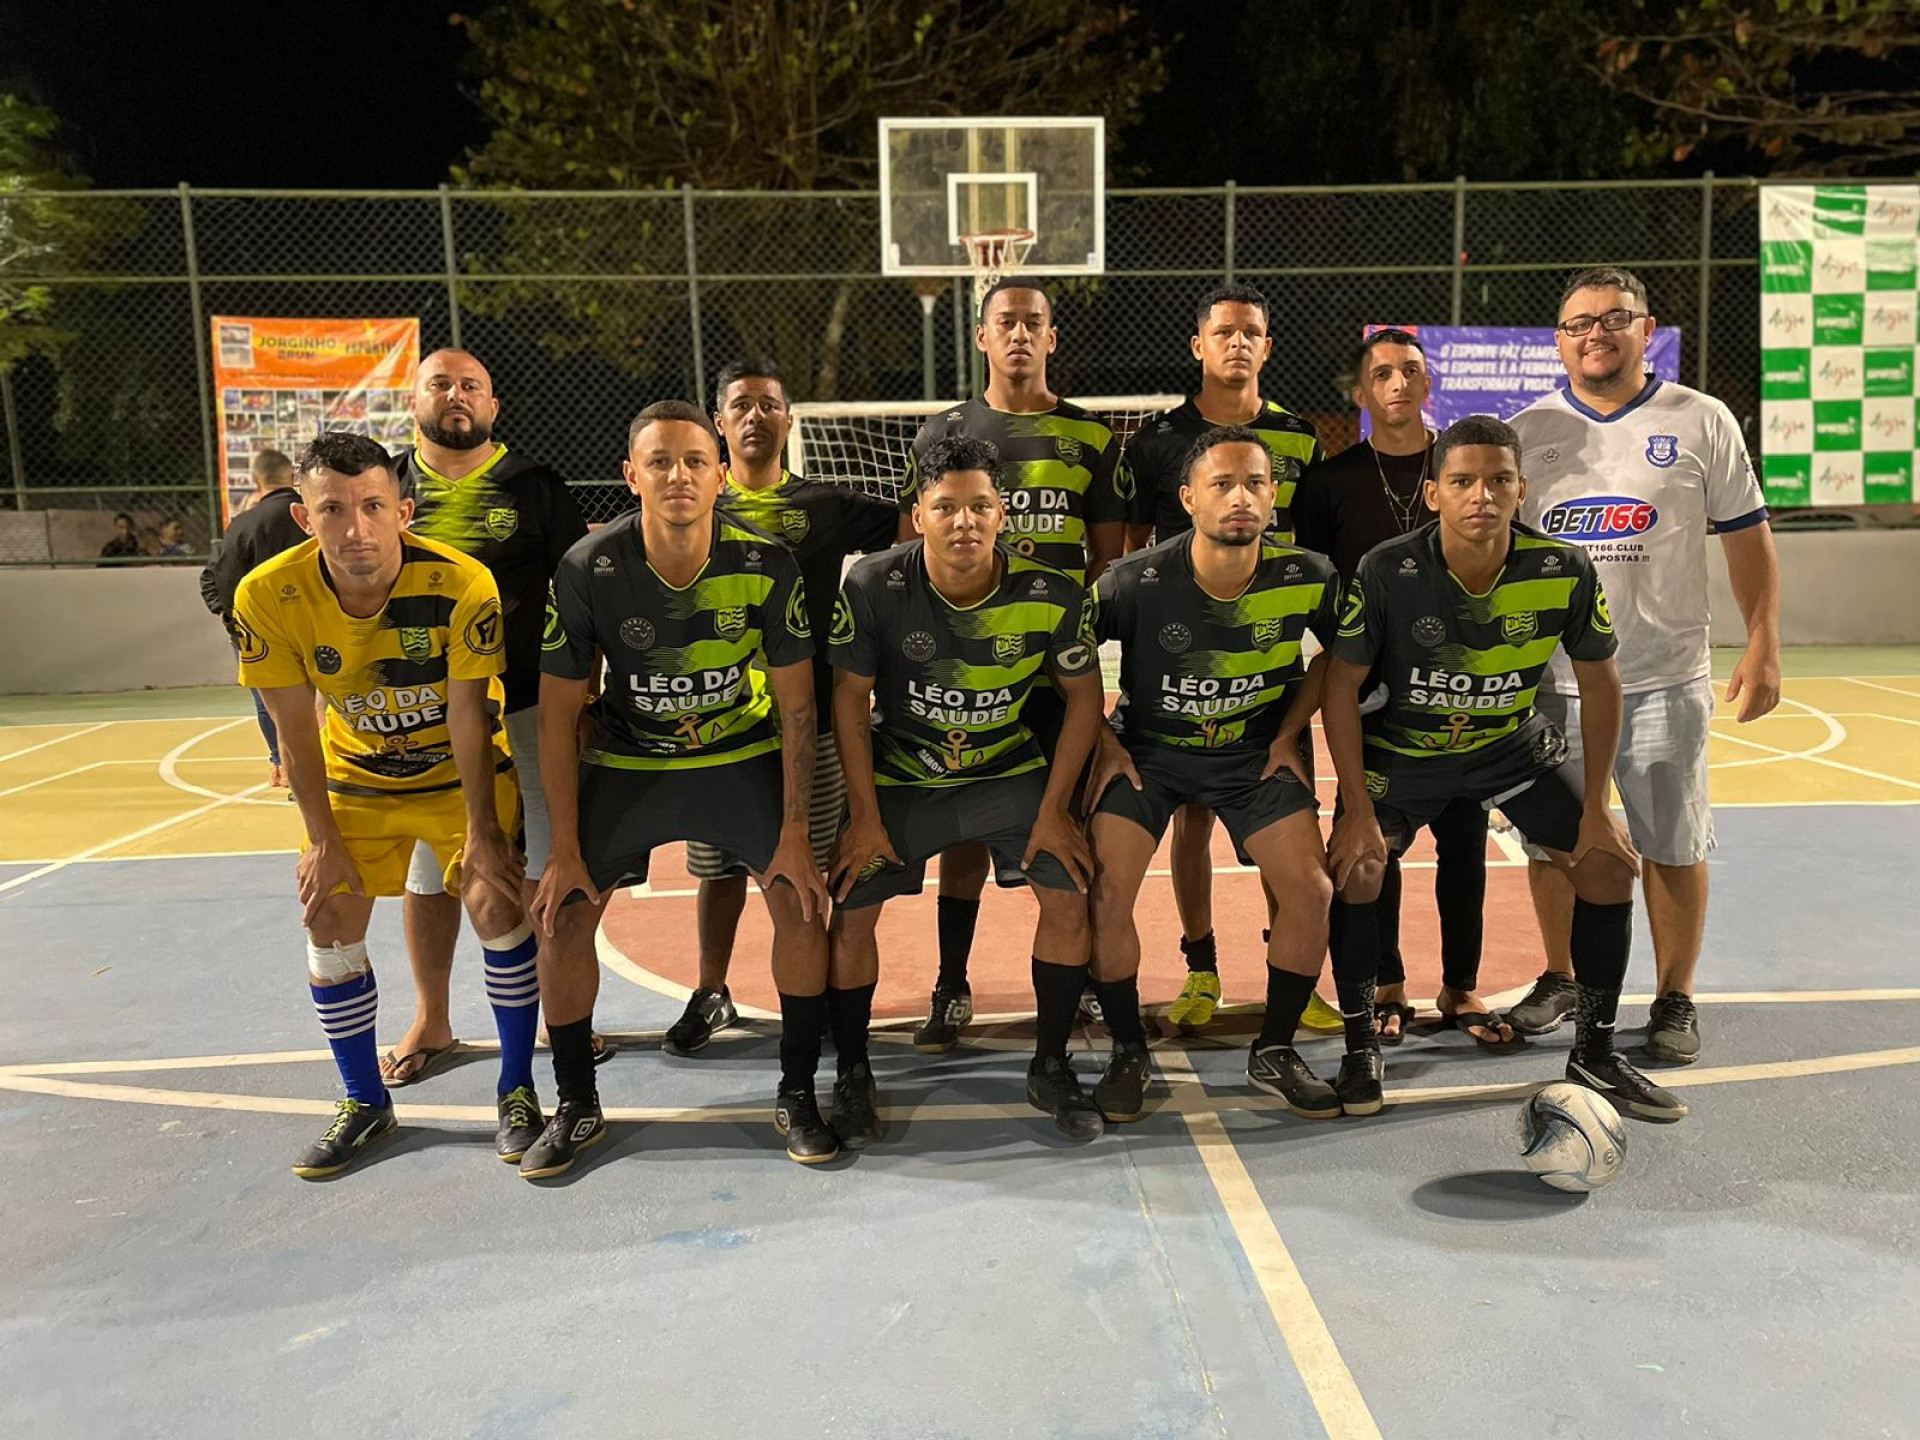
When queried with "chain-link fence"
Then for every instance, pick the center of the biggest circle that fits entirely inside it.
(586, 306)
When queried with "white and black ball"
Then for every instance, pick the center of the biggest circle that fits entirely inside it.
(1572, 1137)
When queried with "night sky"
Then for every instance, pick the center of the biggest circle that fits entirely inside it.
(152, 92)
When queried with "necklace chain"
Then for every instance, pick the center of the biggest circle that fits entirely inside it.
(1404, 511)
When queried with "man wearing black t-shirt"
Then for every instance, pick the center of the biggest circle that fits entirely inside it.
(1364, 496)
(823, 525)
(1231, 339)
(516, 517)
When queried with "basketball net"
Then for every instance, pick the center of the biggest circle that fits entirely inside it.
(992, 254)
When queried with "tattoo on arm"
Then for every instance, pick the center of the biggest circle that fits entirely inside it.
(799, 740)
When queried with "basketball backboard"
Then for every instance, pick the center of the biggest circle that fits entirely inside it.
(944, 177)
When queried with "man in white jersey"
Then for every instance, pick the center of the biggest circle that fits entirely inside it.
(1640, 471)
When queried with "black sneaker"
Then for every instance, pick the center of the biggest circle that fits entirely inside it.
(1121, 1093)
(950, 1008)
(706, 1012)
(856, 1118)
(1053, 1087)
(575, 1126)
(1625, 1086)
(810, 1140)
(355, 1126)
(1673, 1029)
(1358, 1084)
(1279, 1070)
(520, 1124)
(1542, 1009)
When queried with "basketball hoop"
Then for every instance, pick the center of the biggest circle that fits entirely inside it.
(992, 254)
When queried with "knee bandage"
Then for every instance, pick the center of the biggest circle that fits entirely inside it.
(332, 964)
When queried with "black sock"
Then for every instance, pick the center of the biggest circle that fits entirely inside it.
(1287, 996)
(850, 1015)
(1393, 970)
(572, 1046)
(1120, 1009)
(1200, 954)
(1602, 939)
(802, 1018)
(954, 920)
(1354, 933)
(1460, 895)
(1056, 993)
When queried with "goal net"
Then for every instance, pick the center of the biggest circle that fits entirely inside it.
(863, 444)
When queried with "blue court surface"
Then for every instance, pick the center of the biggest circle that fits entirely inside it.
(1219, 1268)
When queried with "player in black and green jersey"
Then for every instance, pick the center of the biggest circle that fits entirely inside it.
(516, 517)
(1232, 339)
(1457, 621)
(1066, 487)
(687, 607)
(823, 525)
(937, 647)
(1213, 711)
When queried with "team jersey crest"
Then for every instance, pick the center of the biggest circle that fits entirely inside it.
(416, 642)
(502, 521)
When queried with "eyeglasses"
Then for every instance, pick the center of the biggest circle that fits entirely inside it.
(1611, 320)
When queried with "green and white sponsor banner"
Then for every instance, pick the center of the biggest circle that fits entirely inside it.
(1839, 344)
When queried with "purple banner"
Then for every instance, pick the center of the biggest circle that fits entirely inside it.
(1501, 369)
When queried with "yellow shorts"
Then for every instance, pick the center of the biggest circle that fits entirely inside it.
(381, 831)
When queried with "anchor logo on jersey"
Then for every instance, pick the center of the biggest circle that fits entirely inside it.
(688, 727)
(1221, 732)
(954, 751)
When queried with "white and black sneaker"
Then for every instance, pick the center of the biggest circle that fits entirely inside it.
(1545, 1007)
(355, 1126)
(1673, 1029)
(1279, 1070)
(706, 1012)
(948, 1012)
(1626, 1087)
(575, 1126)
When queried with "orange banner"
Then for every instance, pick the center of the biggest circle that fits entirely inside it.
(281, 382)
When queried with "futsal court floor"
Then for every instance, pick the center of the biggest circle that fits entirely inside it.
(1219, 1268)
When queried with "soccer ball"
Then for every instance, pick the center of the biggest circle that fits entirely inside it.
(1572, 1138)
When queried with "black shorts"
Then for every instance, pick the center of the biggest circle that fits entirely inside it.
(1227, 782)
(923, 820)
(1528, 775)
(625, 814)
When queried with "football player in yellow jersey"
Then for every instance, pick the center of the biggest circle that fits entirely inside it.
(403, 639)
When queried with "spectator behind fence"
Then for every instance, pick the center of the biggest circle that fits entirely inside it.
(260, 532)
(173, 540)
(125, 541)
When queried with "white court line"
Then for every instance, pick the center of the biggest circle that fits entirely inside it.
(1836, 733)
(1813, 759)
(169, 766)
(1890, 689)
(116, 843)
(57, 740)
(49, 779)
(125, 720)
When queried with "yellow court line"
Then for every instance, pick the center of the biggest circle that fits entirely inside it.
(1317, 1359)
(56, 740)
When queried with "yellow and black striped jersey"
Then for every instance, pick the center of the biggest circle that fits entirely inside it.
(384, 678)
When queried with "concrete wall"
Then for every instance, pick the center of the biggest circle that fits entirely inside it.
(127, 628)
(79, 631)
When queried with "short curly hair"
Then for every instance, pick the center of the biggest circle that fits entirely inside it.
(955, 455)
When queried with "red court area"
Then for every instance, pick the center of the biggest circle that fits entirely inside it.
(656, 933)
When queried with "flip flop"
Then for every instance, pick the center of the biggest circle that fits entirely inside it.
(428, 1057)
(1464, 1020)
(1391, 1009)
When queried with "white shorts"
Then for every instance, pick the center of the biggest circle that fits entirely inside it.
(523, 738)
(1660, 768)
(828, 811)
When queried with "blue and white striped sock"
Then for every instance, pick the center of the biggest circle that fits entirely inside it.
(513, 989)
(347, 1013)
